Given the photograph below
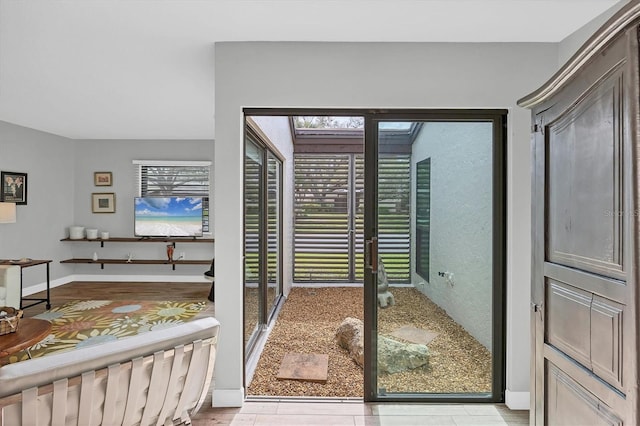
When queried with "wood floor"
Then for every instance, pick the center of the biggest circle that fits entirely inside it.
(273, 411)
(81, 290)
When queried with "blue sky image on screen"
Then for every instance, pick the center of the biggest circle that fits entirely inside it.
(168, 216)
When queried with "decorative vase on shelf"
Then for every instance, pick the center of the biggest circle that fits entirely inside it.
(76, 232)
(95, 256)
(170, 252)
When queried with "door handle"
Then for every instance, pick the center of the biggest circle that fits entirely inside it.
(371, 254)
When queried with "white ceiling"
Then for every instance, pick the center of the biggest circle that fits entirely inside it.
(143, 69)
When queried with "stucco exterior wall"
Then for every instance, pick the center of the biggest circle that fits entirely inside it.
(461, 222)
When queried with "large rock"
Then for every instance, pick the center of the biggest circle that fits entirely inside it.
(395, 357)
(350, 336)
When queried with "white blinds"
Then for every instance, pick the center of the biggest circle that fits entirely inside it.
(175, 178)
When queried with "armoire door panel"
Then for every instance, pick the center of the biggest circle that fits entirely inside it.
(568, 403)
(610, 288)
(606, 340)
(584, 183)
(587, 328)
(603, 391)
(568, 320)
(585, 240)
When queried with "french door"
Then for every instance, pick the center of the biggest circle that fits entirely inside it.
(432, 251)
(450, 319)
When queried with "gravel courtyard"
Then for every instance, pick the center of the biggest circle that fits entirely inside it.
(310, 317)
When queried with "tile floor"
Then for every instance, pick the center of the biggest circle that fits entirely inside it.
(355, 413)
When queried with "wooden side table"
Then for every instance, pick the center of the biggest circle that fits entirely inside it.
(30, 331)
(26, 264)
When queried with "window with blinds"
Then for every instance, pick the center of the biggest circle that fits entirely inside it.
(423, 217)
(175, 178)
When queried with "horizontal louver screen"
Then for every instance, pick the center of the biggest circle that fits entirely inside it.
(321, 218)
(394, 215)
(322, 222)
(359, 218)
(252, 176)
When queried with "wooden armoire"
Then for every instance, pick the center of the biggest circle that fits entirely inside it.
(586, 232)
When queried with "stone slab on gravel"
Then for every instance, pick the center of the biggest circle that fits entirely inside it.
(306, 367)
(414, 335)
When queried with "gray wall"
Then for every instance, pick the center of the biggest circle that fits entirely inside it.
(60, 183)
(116, 156)
(378, 75)
(572, 43)
(49, 162)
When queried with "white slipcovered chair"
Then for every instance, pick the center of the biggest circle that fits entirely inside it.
(10, 286)
(159, 378)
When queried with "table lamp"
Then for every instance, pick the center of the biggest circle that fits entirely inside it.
(7, 212)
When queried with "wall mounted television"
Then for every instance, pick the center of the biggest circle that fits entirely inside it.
(168, 217)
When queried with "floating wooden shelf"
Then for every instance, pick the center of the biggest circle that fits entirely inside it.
(141, 240)
(172, 240)
(103, 262)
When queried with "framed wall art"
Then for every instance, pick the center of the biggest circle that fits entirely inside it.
(103, 202)
(14, 187)
(102, 178)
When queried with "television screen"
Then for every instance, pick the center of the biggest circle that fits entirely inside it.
(168, 217)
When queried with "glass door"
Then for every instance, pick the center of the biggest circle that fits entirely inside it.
(263, 237)
(253, 231)
(437, 335)
(274, 232)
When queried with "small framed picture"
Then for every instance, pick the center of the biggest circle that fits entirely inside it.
(103, 202)
(14, 187)
(102, 179)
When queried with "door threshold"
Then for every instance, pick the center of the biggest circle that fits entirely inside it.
(326, 284)
(303, 399)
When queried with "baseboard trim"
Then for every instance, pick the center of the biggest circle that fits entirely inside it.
(227, 397)
(27, 291)
(146, 278)
(32, 289)
(516, 400)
